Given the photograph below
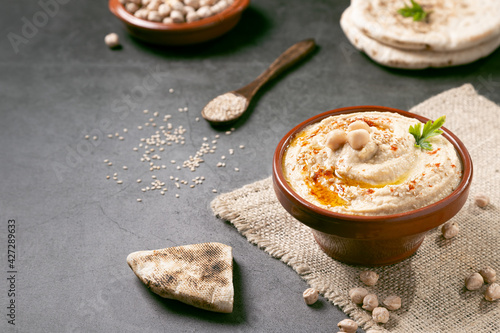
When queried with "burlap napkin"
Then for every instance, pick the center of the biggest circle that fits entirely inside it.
(431, 282)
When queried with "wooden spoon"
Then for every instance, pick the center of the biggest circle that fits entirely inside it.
(229, 107)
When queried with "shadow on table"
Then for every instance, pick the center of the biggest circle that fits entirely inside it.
(253, 25)
(236, 317)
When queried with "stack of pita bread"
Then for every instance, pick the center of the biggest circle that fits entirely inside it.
(455, 32)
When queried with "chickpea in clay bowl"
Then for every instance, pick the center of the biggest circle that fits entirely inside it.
(356, 177)
(176, 22)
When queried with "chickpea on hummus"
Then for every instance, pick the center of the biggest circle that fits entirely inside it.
(367, 163)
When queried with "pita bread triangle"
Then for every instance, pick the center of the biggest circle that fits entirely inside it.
(200, 274)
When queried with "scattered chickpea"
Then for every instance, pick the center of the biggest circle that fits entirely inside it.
(336, 139)
(380, 315)
(358, 138)
(357, 295)
(489, 275)
(481, 200)
(369, 278)
(358, 124)
(370, 302)
(492, 293)
(450, 230)
(392, 302)
(474, 281)
(310, 296)
(348, 326)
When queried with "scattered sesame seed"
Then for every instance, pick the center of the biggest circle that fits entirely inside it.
(106, 161)
(153, 176)
(236, 169)
(139, 127)
(170, 90)
(110, 164)
(120, 182)
(107, 177)
(94, 137)
(177, 195)
(197, 119)
(223, 157)
(139, 200)
(162, 192)
(110, 136)
(178, 167)
(125, 130)
(228, 132)
(214, 191)
(87, 137)
(135, 149)
(242, 146)
(139, 180)
(145, 111)
(192, 186)
(186, 109)
(121, 138)
(125, 167)
(143, 189)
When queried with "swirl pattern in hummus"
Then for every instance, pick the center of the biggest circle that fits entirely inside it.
(388, 176)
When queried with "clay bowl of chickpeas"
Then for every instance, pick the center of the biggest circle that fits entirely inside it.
(178, 22)
(368, 188)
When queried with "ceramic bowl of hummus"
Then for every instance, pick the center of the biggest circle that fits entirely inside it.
(355, 176)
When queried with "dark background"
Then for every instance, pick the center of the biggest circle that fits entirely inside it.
(74, 228)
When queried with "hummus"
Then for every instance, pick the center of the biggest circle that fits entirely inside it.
(388, 175)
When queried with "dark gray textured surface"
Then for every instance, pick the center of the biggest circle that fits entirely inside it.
(75, 228)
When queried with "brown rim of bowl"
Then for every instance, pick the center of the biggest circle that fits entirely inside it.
(119, 10)
(413, 214)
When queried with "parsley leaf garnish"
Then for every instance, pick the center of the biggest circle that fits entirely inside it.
(416, 11)
(430, 129)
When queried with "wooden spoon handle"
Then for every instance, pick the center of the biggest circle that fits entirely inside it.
(287, 59)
